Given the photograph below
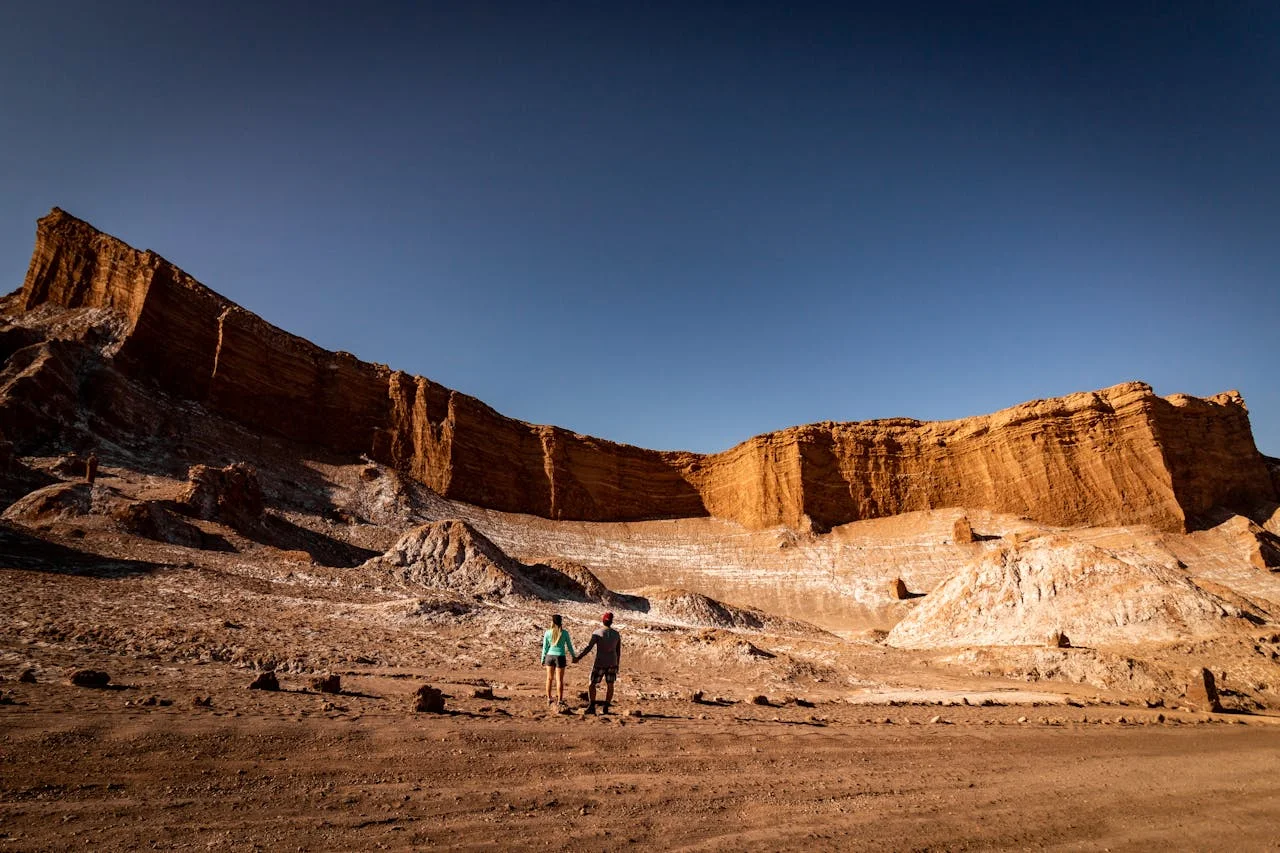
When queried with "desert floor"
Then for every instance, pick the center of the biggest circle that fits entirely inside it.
(300, 770)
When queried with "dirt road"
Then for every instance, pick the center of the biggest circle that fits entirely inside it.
(300, 771)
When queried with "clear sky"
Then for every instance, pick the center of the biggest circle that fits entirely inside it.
(681, 224)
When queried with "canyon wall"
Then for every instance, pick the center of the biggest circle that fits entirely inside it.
(1121, 455)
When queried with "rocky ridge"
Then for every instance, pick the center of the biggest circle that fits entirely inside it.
(1122, 455)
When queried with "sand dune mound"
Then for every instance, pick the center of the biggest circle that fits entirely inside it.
(59, 501)
(1024, 593)
(452, 555)
(569, 579)
(697, 609)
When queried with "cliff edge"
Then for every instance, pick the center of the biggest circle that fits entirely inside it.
(1122, 455)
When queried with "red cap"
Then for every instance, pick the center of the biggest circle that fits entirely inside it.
(607, 617)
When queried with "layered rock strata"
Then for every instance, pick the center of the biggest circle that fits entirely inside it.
(1121, 455)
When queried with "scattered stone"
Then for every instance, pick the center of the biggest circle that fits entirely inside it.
(482, 693)
(1203, 690)
(202, 702)
(427, 699)
(1022, 719)
(582, 811)
(962, 531)
(1059, 640)
(804, 703)
(28, 676)
(265, 681)
(759, 700)
(331, 683)
(635, 712)
(696, 697)
(937, 718)
(898, 590)
(90, 678)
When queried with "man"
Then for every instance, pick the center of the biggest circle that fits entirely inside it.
(608, 645)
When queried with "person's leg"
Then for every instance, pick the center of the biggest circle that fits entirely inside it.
(560, 683)
(551, 671)
(591, 692)
(608, 690)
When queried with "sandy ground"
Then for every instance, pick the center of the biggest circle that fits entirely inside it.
(305, 771)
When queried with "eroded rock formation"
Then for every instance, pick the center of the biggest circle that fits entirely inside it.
(1054, 586)
(1121, 455)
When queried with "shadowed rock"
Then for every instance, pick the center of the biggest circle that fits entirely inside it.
(427, 699)
(230, 495)
(265, 681)
(94, 678)
(327, 684)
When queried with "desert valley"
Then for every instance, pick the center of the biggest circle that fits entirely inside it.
(1054, 626)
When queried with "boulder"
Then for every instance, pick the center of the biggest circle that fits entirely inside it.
(1202, 690)
(152, 520)
(94, 678)
(327, 684)
(28, 676)
(427, 699)
(1059, 640)
(265, 681)
(482, 693)
(231, 495)
(898, 590)
(962, 531)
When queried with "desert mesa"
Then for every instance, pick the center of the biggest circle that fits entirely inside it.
(1121, 455)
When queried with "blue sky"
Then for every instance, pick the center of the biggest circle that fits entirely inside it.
(681, 227)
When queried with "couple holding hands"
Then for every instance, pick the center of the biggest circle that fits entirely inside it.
(557, 648)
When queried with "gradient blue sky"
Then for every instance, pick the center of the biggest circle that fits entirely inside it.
(678, 227)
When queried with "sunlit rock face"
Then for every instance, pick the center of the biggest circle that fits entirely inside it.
(1117, 456)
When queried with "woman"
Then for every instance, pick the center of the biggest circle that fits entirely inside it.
(556, 649)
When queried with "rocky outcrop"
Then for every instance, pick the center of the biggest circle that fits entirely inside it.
(452, 555)
(231, 495)
(1121, 455)
(1055, 586)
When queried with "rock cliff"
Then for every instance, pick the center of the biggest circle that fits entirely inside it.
(1120, 455)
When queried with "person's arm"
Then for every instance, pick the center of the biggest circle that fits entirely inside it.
(619, 650)
(546, 644)
(577, 658)
(568, 645)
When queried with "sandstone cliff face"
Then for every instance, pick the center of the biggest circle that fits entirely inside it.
(1122, 455)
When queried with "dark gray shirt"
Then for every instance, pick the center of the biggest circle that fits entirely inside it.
(608, 645)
